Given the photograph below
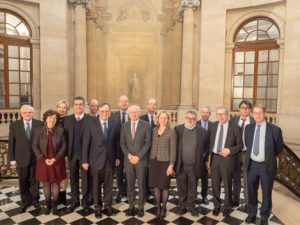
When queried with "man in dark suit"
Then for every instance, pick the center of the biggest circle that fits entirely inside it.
(205, 123)
(191, 151)
(74, 126)
(22, 157)
(121, 117)
(225, 144)
(242, 121)
(135, 142)
(263, 141)
(99, 148)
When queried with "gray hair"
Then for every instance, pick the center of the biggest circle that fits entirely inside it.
(26, 107)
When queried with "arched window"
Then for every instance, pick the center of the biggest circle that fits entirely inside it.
(15, 61)
(256, 64)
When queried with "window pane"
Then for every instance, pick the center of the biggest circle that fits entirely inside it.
(25, 99)
(1, 51)
(14, 89)
(241, 36)
(248, 81)
(2, 102)
(261, 101)
(11, 30)
(264, 25)
(239, 69)
(273, 81)
(262, 68)
(22, 29)
(25, 77)
(25, 52)
(249, 68)
(13, 64)
(274, 55)
(261, 81)
(14, 101)
(11, 19)
(262, 35)
(249, 56)
(2, 28)
(238, 80)
(2, 17)
(248, 92)
(25, 65)
(238, 92)
(13, 51)
(249, 27)
(272, 93)
(263, 56)
(271, 105)
(1, 63)
(25, 89)
(13, 76)
(274, 68)
(261, 93)
(235, 104)
(239, 57)
(252, 36)
(273, 32)
(2, 84)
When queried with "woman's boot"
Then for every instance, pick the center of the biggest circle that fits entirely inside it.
(54, 208)
(48, 206)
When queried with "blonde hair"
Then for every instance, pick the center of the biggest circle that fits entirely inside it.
(158, 115)
(63, 102)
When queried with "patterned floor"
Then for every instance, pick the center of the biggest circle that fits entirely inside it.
(10, 207)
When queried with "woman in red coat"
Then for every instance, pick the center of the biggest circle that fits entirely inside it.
(49, 147)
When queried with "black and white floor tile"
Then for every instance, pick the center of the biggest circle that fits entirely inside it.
(10, 213)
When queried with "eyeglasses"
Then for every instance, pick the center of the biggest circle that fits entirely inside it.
(190, 118)
(244, 107)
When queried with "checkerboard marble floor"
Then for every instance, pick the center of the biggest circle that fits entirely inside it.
(10, 208)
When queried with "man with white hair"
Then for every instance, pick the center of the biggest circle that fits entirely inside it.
(22, 158)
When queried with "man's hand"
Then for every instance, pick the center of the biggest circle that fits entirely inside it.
(224, 152)
(85, 166)
(135, 160)
(170, 170)
(118, 162)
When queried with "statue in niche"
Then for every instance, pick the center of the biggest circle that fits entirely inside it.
(133, 88)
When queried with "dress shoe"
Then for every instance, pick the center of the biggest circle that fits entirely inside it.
(23, 208)
(130, 212)
(194, 212)
(158, 210)
(140, 213)
(226, 212)
(108, 211)
(250, 219)
(204, 201)
(163, 212)
(73, 206)
(264, 222)
(48, 206)
(98, 213)
(37, 205)
(235, 204)
(54, 208)
(216, 211)
(182, 211)
(119, 198)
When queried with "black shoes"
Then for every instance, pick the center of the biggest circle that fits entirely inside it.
(48, 206)
(226, 212)
(140, 213)
(194, 212)
(250, 219)
(163, 213)
(24, 208)
(158, 210)
(130, 212)
(204, 201)
(264, 222)
(98, 213)
(216, 211)
(235, 204)
(54, 208)
(182, 211)
(73, 206)
(119, 197)
(108, 211)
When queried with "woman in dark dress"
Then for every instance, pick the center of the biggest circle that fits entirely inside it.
(49, 147)
(162, 159)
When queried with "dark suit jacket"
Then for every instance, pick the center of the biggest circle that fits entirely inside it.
(19, 147)
(273, 145)
(233, 141)
(208, 135)
(140, 145)
(236, 119)
(202, 142)
(69, 131)
(95, 150)
(40, 142)
(146, 118)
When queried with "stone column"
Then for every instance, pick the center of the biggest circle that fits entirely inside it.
(187, 7)
(80, 45)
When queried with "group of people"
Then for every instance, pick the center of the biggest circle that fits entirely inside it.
(97, 145)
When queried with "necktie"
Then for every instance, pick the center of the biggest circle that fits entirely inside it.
(204, 124)
(220, 140)
(123, 117)
(133, 130)
(78, 118)
(243, 126)
(256, 141)
(27, 130)
(105, 131)
(151, 122)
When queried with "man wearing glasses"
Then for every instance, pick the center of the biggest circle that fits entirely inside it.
(225, 144)
(191, 146)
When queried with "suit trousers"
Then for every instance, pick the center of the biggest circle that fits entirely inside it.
(256, 172)
(236, 182)
(121, 179)
(186, 181)
(86, 181)
(220, 172)
(204, 182)
(105, 177)
(28, 185)
(136, 172)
